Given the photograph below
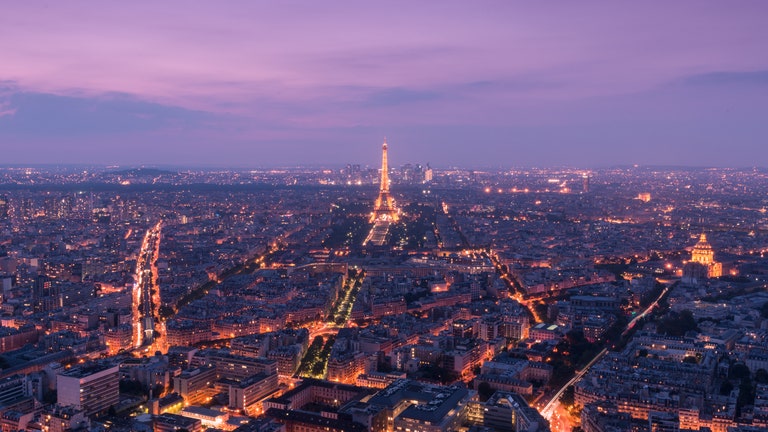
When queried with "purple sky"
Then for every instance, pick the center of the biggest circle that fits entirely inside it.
(475, 84)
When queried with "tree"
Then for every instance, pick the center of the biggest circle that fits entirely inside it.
(761, 376)
(739, 371)
(485, 391)
(569, 396)
(318, 368)
(131, 387)
(764, 310)
(157, 390)
(575, 337)
(677, 324)
(746, 395)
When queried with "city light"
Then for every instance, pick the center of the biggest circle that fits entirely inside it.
(203, 224)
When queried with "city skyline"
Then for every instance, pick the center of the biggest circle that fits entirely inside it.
(495, 85)
(350, 216)
(530, 300)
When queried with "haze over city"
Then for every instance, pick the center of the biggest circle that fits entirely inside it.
(480, 84)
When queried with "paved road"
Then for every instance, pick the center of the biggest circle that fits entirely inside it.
(553, 405)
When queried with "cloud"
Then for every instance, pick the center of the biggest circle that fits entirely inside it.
(49, 115)
(6, 109)
(759, 77)
(399, 96)
(382, 58)
(7, 89)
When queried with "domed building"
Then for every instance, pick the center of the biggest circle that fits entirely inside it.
(702, 262)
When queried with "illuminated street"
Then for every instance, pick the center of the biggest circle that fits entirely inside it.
(329, 328)
(553, 409)
(512, 285)
(149, 330)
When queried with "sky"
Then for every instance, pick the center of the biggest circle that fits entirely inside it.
(451, 83)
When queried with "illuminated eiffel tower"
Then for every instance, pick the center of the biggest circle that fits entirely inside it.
(384, 208)
(384, 211)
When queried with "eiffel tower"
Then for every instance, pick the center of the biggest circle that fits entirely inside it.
(384, 208)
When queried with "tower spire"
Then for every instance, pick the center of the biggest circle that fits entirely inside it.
(384, 188)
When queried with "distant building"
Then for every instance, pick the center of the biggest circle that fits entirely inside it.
(13, 339)
(61, 419)
(316, 392)
(46, 294)
(414, 406)
(704, 254)
(506, 412)
(195, 385)
(346, 367)
(384, 208)
(245, 395)
(90, 388)
(378, 380)
(173, 422)
(13, 420)
(208, 417)
(702, 262)
(12, 389)
(301, 421)
(235, 367)
(187, 332)
(544, 331)
(169, 404)
(118, 339)
(604, 416)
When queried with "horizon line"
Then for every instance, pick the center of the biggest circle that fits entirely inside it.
(180, 167)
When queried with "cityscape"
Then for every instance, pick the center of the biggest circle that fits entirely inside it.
(390, 298)
(400, 217)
